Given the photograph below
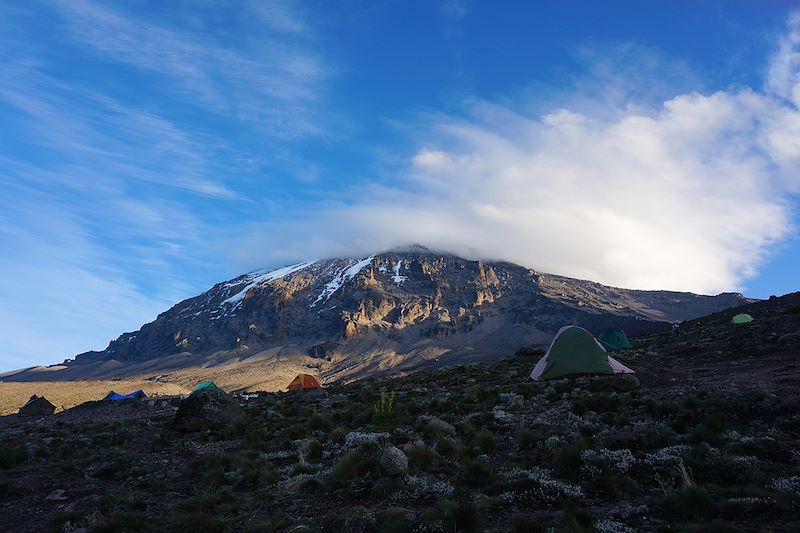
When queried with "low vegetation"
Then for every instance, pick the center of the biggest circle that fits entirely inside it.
(698, 445)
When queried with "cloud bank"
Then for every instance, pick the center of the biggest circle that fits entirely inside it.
(689, 193)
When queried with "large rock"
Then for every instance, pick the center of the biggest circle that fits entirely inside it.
(210, 407)
(393, 461)
(438, 425)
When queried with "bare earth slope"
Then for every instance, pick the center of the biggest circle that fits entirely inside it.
(349, 318)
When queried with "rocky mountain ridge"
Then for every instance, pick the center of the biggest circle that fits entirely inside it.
(391, 311)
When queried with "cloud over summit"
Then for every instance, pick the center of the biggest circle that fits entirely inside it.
(685, 193)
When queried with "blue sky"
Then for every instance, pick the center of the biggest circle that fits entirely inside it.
(151, 149)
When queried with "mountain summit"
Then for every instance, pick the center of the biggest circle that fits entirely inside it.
(393, 311)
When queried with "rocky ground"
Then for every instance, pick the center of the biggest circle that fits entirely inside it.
(705, 437)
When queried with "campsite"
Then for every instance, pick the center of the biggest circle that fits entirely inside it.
(438, 266)
(702, 437)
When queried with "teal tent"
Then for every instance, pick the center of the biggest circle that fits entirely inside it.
(614, 339)
(204, 385)
(741, 318)
(574, 351)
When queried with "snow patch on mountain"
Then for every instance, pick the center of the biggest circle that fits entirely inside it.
(397, 278)
(260, 277)
(338, 280)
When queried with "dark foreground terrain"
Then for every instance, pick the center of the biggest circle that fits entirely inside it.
(705, 437)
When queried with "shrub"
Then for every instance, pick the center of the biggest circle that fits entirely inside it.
(575, 520)
(383, 409)
(476, 473)
(690, 503)
(394, 520)
(526, 438)
(314, 450)
(421, 456)
(460, 515)
(567, 460)
(527, 524)
(254, 473)
(10, 489)
(445, 447)
(317, 422)
(354, 464)
(578, 408)
(12, 455)
(359, 520)
(209, 511)
(602, 402)
(278, 522)
(484, 439)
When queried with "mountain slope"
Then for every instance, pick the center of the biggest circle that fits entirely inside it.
(393, 311)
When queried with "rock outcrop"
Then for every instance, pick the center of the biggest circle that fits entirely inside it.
(210, 407)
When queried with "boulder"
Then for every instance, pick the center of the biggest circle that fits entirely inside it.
(393, 461)
(58, 495)
(438, 425)
(210, 407)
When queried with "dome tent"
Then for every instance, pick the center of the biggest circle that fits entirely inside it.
(303, 382)
(575, 351)
(741, 318)
(204, 385)
(135, 395)
(37, 406)
(614, 339)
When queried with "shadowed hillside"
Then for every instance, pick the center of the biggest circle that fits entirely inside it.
(703, 438)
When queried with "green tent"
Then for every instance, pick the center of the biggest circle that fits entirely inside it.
(741, 318)
(204, 385)
(614, 339)
(575, 351)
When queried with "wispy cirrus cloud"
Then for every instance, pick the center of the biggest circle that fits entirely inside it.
(131, 136)
(271, 81)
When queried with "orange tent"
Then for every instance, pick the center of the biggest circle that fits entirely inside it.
(304, 381)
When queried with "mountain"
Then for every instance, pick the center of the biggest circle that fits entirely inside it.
(390, 312)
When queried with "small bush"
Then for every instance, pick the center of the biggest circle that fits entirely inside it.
(394, 520)
(421, 456)
(527, 524)
(445, 447)
(354, 464)
(690, 503)
(461, 514)
(360, 520)
(575, 519)
(314, 451)
(12, 455)
(476, 473)
(383, 409)
(602, 402)
(10, 489)
(484, 439)
(578, 408)
(567, 460)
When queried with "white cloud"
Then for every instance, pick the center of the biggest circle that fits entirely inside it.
(61, 293)
(688, 193)
(270, 78)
